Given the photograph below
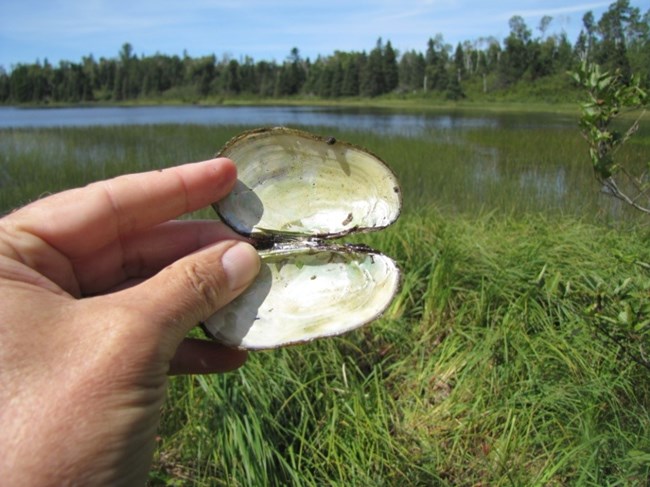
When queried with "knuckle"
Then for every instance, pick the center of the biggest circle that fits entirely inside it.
(204, 284)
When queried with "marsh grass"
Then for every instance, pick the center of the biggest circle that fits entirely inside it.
(488, 369)
(511, 170)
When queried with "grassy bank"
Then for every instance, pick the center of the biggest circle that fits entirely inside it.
(511, 355)
(487, 370)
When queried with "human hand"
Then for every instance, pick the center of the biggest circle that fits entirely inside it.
(98, 290)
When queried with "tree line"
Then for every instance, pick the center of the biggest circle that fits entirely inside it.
(619, 40)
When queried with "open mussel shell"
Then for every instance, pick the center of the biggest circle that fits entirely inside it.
(295, 183)
(295, 191)
(307, 293)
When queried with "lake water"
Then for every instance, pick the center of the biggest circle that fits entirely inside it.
(373, 120)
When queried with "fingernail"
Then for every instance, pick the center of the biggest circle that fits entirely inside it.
(241, 263)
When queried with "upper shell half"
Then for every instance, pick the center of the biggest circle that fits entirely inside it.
(294, 191)
(296, 183)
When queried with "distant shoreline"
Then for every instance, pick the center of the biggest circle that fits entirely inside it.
(420, 104)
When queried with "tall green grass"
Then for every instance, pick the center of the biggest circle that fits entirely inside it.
(490, 368)
(508, 169)
(487, 370)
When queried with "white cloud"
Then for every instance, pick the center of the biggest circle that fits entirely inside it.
(68, 29)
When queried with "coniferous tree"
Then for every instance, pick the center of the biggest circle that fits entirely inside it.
(459, 62)
(516, 57)
(373, 83)
(351, 71)
(265, 76)
(4, 86)
(391, 70)
(292, 75)
(454, 90)
(437, 59)
(231, 78)
(411, 71)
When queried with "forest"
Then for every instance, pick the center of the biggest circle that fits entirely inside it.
(524, 61)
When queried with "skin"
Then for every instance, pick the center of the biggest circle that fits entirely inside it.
(99, 287)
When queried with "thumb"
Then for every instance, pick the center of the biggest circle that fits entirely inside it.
(194, 287)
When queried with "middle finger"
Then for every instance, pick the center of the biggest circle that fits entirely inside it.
(143, 254)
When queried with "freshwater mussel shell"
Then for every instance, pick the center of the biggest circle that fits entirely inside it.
(303, 293)
(294, 183)
(294, 191)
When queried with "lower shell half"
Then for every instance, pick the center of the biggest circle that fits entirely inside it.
(303, 294)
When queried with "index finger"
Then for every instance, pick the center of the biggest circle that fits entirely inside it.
(80, 221)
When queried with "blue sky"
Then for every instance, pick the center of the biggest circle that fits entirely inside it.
(58, 30)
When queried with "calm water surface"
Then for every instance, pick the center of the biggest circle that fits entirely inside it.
(373, 120)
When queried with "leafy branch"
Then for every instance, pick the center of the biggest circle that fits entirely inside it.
(608, 95)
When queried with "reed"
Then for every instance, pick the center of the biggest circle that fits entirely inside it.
(507, 169)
